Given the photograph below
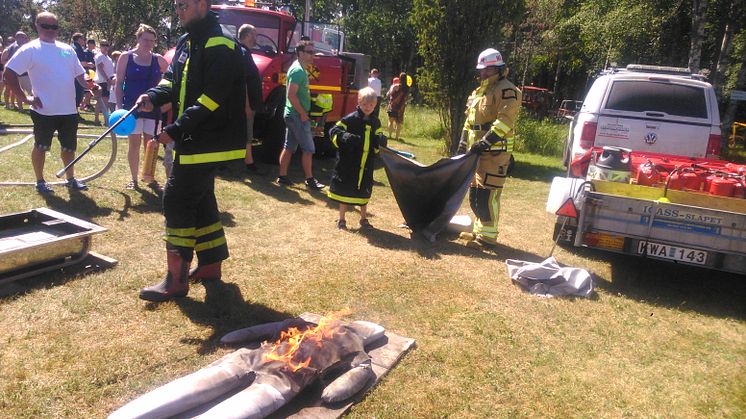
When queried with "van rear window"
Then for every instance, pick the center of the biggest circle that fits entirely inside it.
(646, 96)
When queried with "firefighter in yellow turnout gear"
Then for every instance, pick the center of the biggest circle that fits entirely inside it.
(491, 114)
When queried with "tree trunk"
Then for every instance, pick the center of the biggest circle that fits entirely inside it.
(557, 95)
(726, 46)
(730, 111)
(697, 34)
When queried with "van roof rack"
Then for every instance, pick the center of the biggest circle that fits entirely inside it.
(655, 69)
(659, 69)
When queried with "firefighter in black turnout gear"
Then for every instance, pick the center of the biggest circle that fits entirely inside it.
(206, 84)
(491, 114)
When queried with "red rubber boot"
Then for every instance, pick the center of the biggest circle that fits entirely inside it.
(174, 285)
(209, 272)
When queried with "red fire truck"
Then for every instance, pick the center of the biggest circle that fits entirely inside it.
(334, 77)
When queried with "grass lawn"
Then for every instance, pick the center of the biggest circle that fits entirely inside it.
(658, 340)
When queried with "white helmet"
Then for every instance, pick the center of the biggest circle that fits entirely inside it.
(490, 58)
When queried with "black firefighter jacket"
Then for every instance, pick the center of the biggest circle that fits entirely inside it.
(352, 179)
(206, 86)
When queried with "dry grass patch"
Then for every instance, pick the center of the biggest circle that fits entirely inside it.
(658, 340)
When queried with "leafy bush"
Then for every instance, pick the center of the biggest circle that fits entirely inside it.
(540, 137)
(420, 121)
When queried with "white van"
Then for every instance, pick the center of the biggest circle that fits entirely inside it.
(648, 108)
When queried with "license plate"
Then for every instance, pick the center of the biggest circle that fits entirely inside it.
(667, 251)
(603, 240)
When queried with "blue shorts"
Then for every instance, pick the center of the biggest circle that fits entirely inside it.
(298, 133)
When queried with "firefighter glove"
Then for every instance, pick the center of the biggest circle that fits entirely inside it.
(382, 140)
(480, 146)
(485, 143)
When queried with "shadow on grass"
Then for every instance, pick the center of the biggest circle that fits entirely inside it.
(675, 286)
(56, 275)
(266, 184)
(527, 171)
(79, 204)
(445, 244)
(223, 310)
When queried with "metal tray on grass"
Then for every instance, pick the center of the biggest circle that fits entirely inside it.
(41, 240)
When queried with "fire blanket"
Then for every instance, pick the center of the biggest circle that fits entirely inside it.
(429, 196)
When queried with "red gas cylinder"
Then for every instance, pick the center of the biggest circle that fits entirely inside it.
(647, 175)
(740, 191)
(692, 181)
(685, 179)
(707, 182)
(723, 186)
(736, 169)
(675, 180)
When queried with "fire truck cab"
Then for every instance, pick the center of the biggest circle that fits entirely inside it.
(334, 77)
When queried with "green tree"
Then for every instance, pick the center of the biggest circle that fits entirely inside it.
(381, 29)
(450, 36)
(115, 20)
(16, 15)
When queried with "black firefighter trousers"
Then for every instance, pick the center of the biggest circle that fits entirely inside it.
(192, 216)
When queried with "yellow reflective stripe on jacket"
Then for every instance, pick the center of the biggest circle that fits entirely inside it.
(220, 241)
(334, 138)
(182, 88)
(208, 229)
(207, 102)
(500, 128)
(212, 157)
(220, 40)
(378, 132)
(347, 199)
(164, 82)
(366, 147)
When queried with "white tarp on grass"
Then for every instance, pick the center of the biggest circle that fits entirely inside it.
(549, 279)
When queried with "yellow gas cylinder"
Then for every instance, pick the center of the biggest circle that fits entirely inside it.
(151, 157)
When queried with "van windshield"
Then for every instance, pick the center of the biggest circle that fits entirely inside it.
(646, 96)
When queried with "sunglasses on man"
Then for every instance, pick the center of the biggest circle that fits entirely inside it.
(49, 26)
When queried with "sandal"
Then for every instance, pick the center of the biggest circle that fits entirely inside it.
(342, 224)
(131, 185)
(365, 224)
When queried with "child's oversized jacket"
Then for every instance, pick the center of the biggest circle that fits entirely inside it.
(357, 140)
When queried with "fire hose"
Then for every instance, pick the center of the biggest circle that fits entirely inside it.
(92, 144)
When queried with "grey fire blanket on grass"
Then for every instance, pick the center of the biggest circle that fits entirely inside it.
(549, 279)
(429, 196)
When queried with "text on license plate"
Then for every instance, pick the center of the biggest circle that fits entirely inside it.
(666, 251)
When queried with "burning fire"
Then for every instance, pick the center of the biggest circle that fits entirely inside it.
(288, 347)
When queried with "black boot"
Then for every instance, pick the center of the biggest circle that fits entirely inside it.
(174, 285)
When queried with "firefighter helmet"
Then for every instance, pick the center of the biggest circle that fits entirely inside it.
(490, 58)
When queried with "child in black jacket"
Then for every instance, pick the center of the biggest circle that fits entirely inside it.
(357, 137)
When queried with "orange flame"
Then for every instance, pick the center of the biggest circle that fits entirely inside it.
(287, 347)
